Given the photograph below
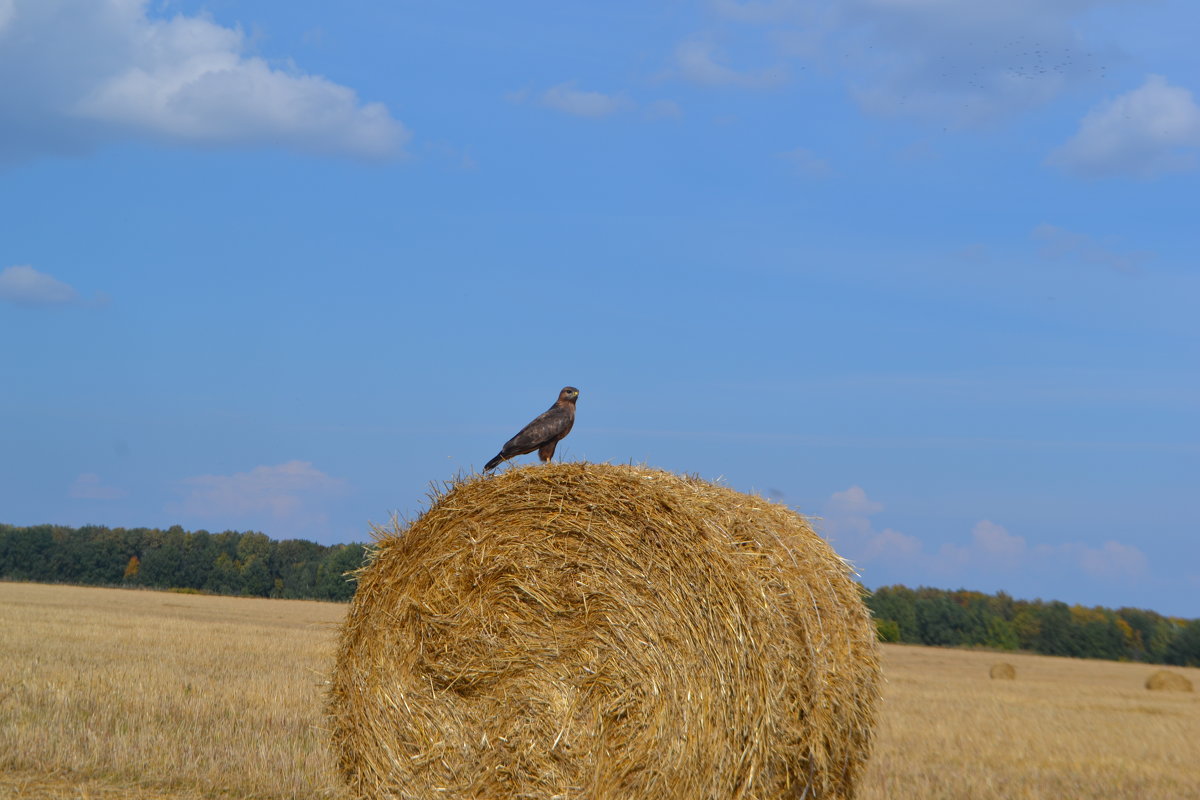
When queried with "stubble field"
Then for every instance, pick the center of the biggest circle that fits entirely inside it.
(109, 693)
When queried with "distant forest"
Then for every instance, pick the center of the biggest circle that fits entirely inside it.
(973, 619)
(252, 564)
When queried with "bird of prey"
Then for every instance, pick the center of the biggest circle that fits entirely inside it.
(544, 433)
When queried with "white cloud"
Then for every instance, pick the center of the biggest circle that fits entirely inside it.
(281, 492)
(699, 62)
(846, 520)
(950, 560)
(24, 286)
(88, 486)
(995, 543)
(890, 543)
(852, 503)
(1061, 243)
(966, 64)
(664, 109)
(1110, 561)
(806, 163)
(993, 550)
(517, 96)
(754, 10)
(947, 61)
(990, 552)
(76, 73)
(1153, 130)
(565, 97)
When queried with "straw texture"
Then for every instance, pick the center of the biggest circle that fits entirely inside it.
(1164, 680)
(599, 631)
(1003, 670)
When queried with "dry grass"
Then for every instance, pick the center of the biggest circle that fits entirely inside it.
(603, 632)
(78, 663)
(161, 691)
(1068, 728)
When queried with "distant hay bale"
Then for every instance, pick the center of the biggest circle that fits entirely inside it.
(1003, 671)
(1168, 682)
(603, 632)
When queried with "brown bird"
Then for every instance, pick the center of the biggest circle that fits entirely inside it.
(544, 433)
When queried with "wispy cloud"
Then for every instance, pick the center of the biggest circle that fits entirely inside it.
(281, 492)
(89, 486)
(946, 61)
(966, 63)
(77, 73)
(1151, 131)
(23, 285)
(1112, 560)
(846, 520)
(805, 163)
(568, 99)
(995, 542)
(755, 10)
(853, 504)
(700, 62)
(1061, 243)
(990, 550)
(663, 109)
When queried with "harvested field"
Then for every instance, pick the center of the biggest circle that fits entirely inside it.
(75, 662)
(1068, 728)
(161, 692)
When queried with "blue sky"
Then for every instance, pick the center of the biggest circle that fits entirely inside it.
(925, 269)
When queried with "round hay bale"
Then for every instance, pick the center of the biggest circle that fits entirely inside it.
(1003, 671)
(1166, 681)
(603, 632)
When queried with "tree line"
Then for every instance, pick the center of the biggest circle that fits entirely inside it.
(964, 618)
(234, 563)
(253, 564)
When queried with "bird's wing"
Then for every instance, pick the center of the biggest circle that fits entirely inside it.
(549, 426)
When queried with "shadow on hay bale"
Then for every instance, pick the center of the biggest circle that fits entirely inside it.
(599, 631)
(1003, 671)
(1168, 681)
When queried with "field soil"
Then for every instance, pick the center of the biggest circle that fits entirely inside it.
(110, 693)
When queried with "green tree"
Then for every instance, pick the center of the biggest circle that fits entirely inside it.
(941, 621)
(1154, 633)
(1184, 649)
(294, 564)
(1001, 634)
(224, 577)
(332, 581)
(256, 577)
(228, 563)
(25, 553)
(1058, 634)
(897, 603)
(1027, 626)
(887, 630)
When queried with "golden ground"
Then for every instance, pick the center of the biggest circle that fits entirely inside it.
(1064, 728)
(108, 694)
